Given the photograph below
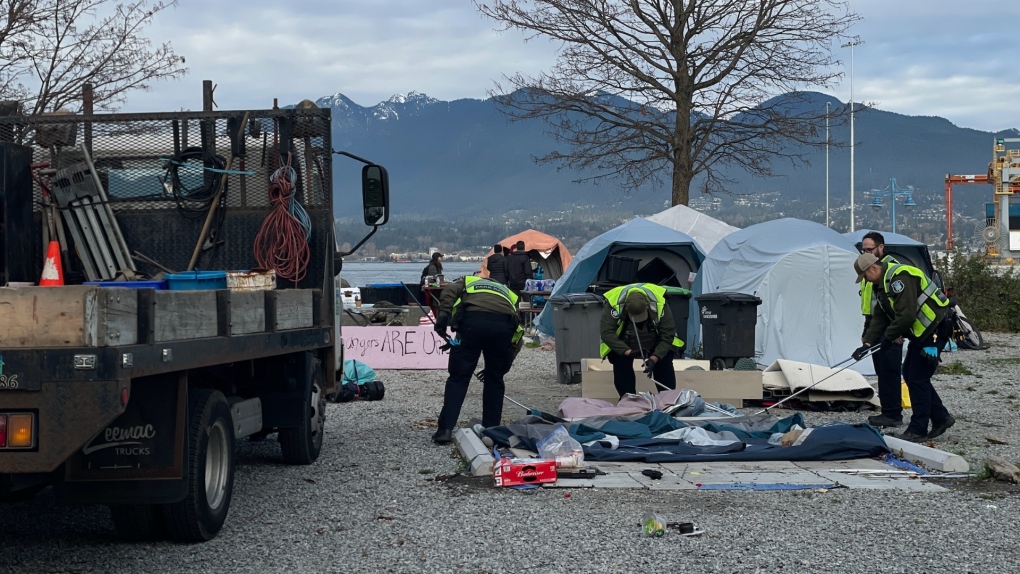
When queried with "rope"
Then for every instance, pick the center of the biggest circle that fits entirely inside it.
(282, 242)
(193, 203)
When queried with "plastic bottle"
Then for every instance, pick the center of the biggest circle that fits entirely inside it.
(652, 524)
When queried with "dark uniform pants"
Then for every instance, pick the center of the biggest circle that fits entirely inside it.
(624, 375)
(925, 402)
(887, 366)
(481, 334)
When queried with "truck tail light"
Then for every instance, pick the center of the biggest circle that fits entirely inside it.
(17, 430)
(20, 430)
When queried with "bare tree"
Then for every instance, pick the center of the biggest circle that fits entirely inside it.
(50, 48)
(646, 87)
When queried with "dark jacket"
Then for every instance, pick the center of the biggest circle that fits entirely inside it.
(496, 266)
(893, 320)
(518, 269)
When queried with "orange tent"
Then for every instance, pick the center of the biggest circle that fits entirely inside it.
(543, 249)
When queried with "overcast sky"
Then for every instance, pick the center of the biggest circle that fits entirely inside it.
(948, 58)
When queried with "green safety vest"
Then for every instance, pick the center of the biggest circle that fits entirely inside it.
(931, 296)
(868, 301)
(656, 301)
(474, 285)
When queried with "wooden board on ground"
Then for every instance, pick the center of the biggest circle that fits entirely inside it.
(714, 386)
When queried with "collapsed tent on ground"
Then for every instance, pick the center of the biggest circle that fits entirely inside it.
(706, 230)
(543, 249)
(903, 248)
(803, 272)
(637, 251)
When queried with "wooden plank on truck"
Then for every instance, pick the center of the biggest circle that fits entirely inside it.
(293, 309)
(111, 317)
(43, 316)
(185, 315)
(247, 312)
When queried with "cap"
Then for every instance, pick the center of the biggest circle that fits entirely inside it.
(637, 307)
(863, 262)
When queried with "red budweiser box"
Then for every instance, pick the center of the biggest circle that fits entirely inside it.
(514, 471)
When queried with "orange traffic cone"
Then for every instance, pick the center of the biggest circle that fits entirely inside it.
(53, 272)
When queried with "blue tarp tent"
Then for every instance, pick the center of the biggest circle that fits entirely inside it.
(652, 244)
(803, 273)
(903, 248)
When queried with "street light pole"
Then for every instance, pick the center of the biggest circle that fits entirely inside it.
(826, 164)
(855, 42)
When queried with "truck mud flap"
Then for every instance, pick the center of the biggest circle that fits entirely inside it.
(139, 457)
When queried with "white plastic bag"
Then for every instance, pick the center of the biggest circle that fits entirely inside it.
(562, 448)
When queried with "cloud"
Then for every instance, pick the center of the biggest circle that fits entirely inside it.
(919, 57)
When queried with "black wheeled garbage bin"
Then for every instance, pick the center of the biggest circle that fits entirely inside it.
(679, 300)
(576, 318)
(727, 327)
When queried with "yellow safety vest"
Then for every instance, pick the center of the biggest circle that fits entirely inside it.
(930, 295)
(868, 302)
(474, 285)
(656, 301)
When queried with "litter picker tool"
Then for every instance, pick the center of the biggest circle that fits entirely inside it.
(871, 351)
(664, 387)
(537, 413)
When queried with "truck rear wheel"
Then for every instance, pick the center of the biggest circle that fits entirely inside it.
(303, 444)
(203, 511)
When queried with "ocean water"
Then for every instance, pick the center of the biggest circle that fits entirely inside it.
(359, 274)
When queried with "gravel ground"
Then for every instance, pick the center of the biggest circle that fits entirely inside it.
(384, 499)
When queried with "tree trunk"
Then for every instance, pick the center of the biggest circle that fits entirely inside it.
(681, 182)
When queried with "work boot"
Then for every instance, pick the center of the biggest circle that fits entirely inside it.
(940, 428)
(883, 420)
(443, 436)
(911, 437)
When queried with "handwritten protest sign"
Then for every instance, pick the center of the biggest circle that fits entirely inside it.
(395, 347)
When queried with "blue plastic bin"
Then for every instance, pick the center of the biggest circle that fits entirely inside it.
(192, 280)
(157, 285)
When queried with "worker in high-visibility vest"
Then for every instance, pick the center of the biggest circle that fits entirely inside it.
(911, 306)
(637, 324)
(483, 314)
(889, 358)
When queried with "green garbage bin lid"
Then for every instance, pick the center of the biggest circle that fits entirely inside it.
(677, 291)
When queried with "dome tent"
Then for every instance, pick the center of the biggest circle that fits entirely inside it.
(706, 230)
(803, 272)
(653, 245)
(543, 249)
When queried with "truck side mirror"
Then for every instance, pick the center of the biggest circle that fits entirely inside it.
(375, 194)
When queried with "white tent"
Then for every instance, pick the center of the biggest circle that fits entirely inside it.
(706, 230)
(803, 272)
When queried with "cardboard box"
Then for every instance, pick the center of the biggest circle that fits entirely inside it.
(714, 386)
(515, 471)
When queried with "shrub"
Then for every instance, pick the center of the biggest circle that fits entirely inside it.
(989, 295)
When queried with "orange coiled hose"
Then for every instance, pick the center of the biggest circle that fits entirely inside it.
(282, 242)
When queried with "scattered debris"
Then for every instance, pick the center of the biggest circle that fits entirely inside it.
(1003, 470)
(994, 440)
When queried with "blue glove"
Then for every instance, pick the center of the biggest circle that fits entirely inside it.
(931, 352)
(860, 353)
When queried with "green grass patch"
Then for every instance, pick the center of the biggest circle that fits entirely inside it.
(992, 392)
(954, 368)
(532, 345)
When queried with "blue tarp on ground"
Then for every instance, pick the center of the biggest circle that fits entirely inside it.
(638, 239)
(834, 441)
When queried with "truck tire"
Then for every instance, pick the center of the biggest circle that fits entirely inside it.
(303, 444)
(138, 521)
(203, 511)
